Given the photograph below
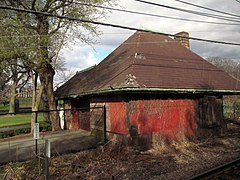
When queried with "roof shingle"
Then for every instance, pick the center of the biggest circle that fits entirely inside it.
(147, 60)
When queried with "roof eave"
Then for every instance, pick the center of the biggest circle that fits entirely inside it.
(157, 90)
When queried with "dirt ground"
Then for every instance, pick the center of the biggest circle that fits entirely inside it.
(176, 161)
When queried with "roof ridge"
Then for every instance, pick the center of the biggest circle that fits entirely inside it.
(86, 69)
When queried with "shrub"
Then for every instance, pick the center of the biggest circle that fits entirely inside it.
(13, 132)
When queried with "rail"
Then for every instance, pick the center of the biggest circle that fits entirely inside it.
(217, 170)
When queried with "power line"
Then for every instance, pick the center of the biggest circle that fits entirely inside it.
(210, 9)
(6, 50)
(192, 12)
(131, 43)
(111, 25)
(156, 15)
(102, 33)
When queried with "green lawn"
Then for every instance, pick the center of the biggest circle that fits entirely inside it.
(4, 109)
(25, 102)
(10, 120)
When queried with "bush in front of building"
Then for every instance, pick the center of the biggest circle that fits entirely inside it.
(25, 130)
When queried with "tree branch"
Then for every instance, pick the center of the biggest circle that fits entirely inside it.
(63, 4)
(59, 26)
(22, 4)
(8, 79)
(33, 5)
(24, 82)
(48, 5)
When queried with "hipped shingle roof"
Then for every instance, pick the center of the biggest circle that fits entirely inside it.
(149, 61)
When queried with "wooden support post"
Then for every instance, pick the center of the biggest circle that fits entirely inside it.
(105, 124)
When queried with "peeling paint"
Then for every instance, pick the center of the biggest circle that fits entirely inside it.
(74, 119)
(117, 117)
(171, 118)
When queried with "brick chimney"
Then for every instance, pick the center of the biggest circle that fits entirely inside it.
(182, 37)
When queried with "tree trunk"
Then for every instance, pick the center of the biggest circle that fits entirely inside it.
(51, 99)
(45, 106)
(12, 101)
(47, 75)
(35, 108)
(36, 99)
(46, 71)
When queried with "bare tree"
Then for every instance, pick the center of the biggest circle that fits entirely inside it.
(12, 60)
(52, 33)
(231, 66)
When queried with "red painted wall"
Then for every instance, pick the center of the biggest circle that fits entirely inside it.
(171, 118)
(116, 113)
(74, 119)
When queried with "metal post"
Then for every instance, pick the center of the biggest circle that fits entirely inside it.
(64, 115)
(47, 156)
(104, 124)
(36, 141)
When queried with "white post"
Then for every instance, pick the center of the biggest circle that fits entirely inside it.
(47, 156)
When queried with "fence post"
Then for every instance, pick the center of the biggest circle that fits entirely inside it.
(36, 140)
(47, 156)
(9, 150)
(104, 124)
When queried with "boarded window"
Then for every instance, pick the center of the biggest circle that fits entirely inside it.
(116, 117)
(74, 119)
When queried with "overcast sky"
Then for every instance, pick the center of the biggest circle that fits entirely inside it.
(81, 56)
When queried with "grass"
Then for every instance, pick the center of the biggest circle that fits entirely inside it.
(25, 102)
(19, 119)
(4, 109)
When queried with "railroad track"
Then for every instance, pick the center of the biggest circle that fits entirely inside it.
(230, 170)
